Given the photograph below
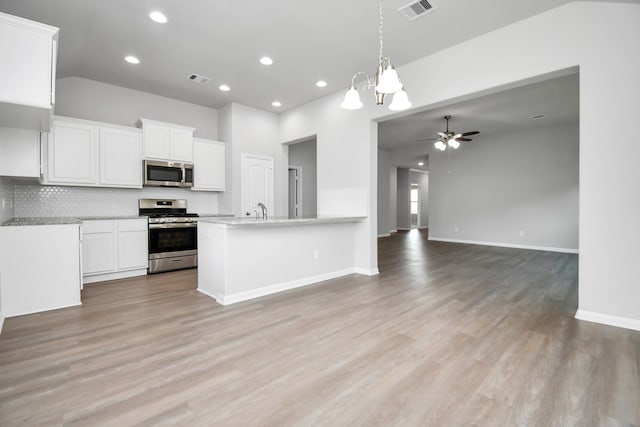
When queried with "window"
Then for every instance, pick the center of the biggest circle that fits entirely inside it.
(414, 200)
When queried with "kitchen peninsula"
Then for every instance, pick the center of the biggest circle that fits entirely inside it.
(245, 258)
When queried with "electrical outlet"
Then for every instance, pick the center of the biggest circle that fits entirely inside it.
(521, 233)
(316, 254)
(4, 204)
(456, 229)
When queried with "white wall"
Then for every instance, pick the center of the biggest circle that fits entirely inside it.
(251, 131)
(505, 184)
(539, 47)
(92, 100)
(303, 154)
(403, 216)
(384, 193)
(6, 199)
(422, 179)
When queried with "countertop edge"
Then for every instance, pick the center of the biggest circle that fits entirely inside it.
(279, 222)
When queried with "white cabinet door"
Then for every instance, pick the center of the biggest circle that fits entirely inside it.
(208, 165)
(98, 252)
(27, 76)
(157, 141)
(19, 152)
(72, 154)
(132, 244)
(132, 250)
(181, 145)
(120, 157)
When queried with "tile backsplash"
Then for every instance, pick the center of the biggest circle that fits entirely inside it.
(46, 201)
(6, 199)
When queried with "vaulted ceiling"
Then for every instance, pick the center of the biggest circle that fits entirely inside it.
(223, 40)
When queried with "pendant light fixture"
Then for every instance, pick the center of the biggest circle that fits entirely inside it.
(385, 81)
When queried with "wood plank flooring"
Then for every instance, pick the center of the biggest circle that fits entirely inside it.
(447, 335)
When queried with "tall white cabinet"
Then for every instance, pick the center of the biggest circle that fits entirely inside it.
(209, 165)
(27, 72)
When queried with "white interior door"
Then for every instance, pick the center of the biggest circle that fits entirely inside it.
(257, 183)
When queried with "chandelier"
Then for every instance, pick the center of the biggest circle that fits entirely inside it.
(385, 81)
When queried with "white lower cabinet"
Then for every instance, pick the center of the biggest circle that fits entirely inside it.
(114, 249)
(40, 268)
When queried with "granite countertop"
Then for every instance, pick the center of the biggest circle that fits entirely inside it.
(281, 221)
(54, 220)
(215, 216)
(63, 220)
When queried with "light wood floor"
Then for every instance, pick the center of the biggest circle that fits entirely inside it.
(447, 334)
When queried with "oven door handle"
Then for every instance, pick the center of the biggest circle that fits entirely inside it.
(173, 225)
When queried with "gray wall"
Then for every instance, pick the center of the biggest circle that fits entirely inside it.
(92, 100)
(304, 154)
(384, 193)
(422, 179)
(402, 206)
(493, 189)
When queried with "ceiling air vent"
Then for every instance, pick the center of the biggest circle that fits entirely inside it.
(199, 79)
(416, 9)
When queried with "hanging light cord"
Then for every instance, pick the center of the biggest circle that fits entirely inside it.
(380, 34)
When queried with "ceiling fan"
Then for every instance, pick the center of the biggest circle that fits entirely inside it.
(450, 138)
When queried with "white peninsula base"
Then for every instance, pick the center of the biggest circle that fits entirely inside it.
(241, 259)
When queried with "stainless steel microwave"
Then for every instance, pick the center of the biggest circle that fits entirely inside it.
(160, 173)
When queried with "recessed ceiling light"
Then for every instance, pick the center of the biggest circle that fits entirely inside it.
(132, 59)
(265, 60)
(539, 116)
(420, 163)
(158, 17)
(321, 83)
(224, 88)
(276, 104)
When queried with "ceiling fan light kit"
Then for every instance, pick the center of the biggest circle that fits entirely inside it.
(450, 138)
(385, 81)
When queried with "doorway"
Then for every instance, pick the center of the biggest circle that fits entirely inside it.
(295, 192)
(256, 183)
(414, 200)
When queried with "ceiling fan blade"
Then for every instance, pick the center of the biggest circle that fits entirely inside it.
(427, 139)
(475, 132)
(442, 134)
(464, 139)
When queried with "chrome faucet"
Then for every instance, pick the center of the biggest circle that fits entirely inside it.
(264, 210)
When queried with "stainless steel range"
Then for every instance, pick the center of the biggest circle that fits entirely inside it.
(173, 234)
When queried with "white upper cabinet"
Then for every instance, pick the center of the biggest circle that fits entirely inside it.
(19, 152)
(72, 154)
(208, 165)
(166, 141)
(27, 73)
(81, 152)
(120, 157)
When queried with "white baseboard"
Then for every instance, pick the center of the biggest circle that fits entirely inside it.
(507, 245)
(366, 272)
(1, 321)
(113, 276)
(403, 229)
(58, 307)
(279, 287)
(423, 228)
(607, 319)
(395, 230)
(384, 235)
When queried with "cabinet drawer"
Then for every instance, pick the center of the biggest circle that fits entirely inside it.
(98, 226)
(132, 225)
